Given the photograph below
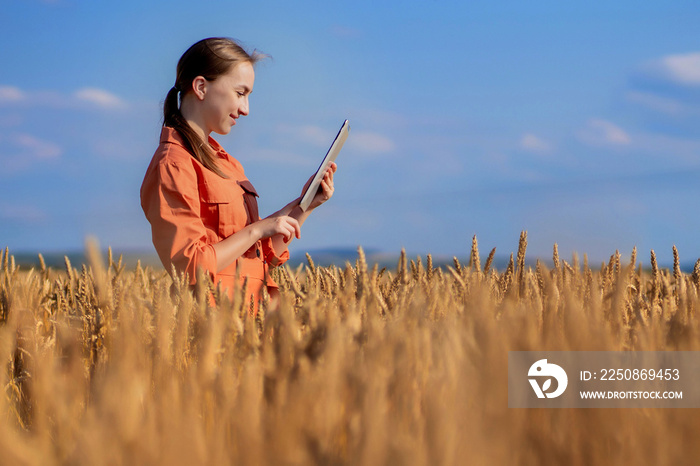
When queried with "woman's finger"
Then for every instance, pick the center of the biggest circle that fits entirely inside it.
(328, 178)
(327, 189)
(288, 232)
(294, 227)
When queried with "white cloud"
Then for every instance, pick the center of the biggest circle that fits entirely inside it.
(307, 134)
(655, 102)
(682, 69)
(306, 144)
(10, 94)
(36, 147)
(532, 143)
(603, 133)
(94, 97)
(314, 135)
(362, 141)
(370, 142)
(99, 97)
(20, 151)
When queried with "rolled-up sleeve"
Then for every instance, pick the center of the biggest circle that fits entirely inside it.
(271, 256)
(170, 200)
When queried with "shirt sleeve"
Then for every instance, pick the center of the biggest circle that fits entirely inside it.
(170, 200)
(271, 256)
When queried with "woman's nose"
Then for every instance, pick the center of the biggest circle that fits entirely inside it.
(244, 108)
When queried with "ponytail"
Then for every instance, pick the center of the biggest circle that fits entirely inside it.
(172, 118)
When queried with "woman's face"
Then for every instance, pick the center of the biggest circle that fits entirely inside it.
(226, 98)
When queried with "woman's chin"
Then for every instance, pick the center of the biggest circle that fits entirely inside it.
(223, 131)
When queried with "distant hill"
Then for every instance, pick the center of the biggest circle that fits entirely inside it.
(390, 260)
(77, 258)
(322, 257)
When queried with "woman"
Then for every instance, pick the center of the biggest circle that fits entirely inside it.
(202, 209)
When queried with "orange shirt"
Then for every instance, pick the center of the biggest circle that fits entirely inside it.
(190, 208)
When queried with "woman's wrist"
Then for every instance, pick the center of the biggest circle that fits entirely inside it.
(295, 203)
(298, 213)
(255, 233)
(289, 208)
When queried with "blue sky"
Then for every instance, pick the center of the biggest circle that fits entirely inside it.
(576, 121)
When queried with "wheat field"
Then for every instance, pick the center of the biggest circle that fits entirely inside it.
(353, 365)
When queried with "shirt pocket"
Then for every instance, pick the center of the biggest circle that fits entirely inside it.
(223, 206)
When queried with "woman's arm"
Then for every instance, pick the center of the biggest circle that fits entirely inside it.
(233, 247)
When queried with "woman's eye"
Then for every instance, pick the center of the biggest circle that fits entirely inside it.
(240, 94)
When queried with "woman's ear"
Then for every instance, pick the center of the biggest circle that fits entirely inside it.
(199, 87)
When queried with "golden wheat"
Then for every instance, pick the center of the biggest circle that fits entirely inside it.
(355, 365)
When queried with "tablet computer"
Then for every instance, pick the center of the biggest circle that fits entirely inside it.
(330, 157)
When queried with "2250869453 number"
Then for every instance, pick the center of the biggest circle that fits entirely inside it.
(640, 374)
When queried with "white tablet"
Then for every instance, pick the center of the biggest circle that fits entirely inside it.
(330, 157)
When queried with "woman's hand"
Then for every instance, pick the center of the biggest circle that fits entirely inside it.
(281, 228)
(281, 225)
(326, 189)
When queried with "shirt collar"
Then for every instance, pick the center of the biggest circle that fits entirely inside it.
(168, 134)
(217, 147)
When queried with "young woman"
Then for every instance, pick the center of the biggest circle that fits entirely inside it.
(202, 209)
